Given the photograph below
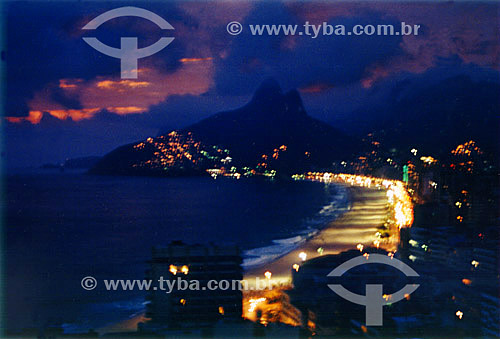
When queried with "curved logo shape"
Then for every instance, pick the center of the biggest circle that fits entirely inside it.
(374, 299)
(128, 53)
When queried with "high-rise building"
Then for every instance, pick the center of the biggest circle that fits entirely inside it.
(193, 301)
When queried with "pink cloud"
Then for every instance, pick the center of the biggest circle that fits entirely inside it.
(468, 30)
(121, 96)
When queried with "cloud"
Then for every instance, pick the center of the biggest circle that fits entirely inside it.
(469, 31)
(57, 54)
(116, 95)
(45, 47)
(300, 61)
(62, 76)
(66, 99)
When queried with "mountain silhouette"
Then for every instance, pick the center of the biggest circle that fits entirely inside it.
(456, 110)
(437, 117)
(272, 119)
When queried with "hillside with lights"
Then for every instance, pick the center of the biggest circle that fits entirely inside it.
(271, 134)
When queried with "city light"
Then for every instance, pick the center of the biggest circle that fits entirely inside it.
(414, 243)
(303, 256)
(268, 275)
(466, 149)
(174, 269)
(466, 281)
(296, 267)
(254, 303)
(459, 314)
(397, 195)
(428, 160)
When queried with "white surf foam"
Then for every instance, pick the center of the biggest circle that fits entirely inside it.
(338, 204)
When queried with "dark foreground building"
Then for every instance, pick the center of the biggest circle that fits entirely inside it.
(193, 270)
(324, 312)
(427, 312)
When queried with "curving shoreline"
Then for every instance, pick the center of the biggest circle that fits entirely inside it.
(369, 210)
(339, 203)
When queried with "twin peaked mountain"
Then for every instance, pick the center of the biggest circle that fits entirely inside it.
(251, 136)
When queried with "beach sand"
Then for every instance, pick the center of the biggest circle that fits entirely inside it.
(357, 226)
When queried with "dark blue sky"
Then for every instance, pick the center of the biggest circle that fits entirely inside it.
(65, 99)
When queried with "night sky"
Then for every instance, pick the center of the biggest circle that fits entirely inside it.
(64, 99)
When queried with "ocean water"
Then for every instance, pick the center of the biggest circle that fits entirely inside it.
(61, 227)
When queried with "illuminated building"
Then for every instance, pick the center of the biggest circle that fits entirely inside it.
(469, 183)
(412, 177)
(430, 245)
(326, 314)
(405, 174)
(401, 206)
(270, 306)
(193, 307)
